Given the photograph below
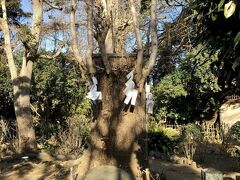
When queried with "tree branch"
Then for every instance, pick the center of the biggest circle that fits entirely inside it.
(154, 45)
(102, 28)
(7, 41)
(37, 22)
(52, 5)
(58, 52)
(89, 8)
(139, 62)
(74, 38)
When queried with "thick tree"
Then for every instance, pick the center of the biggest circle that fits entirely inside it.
(117, 132)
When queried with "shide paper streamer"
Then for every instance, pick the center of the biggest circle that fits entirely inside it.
(130, 91)
(149, 99)
(93, 94)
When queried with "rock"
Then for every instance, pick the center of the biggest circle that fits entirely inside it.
(43, 156)
(107, 173)
(211, 174)
(61, 157)
(193, 164)
(71, 157)
(189, 161)
(180, 161)
(185, 161)
(174, 158)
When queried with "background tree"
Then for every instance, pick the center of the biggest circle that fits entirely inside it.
(21, 78)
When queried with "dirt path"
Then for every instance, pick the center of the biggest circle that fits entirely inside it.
(173, 171)
(38, 170)
(32, 170)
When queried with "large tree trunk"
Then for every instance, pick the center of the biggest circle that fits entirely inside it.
(26, 133)
(118, 131)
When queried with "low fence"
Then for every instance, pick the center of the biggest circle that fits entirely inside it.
(212, 133)
(175, 126)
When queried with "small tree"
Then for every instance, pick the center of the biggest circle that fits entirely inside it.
(191, 136)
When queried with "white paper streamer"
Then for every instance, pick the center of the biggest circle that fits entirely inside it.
(93, 94)
(149, 99)
(130, 91)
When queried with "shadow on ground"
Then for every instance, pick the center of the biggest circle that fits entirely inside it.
(31, 170)
(174, 171)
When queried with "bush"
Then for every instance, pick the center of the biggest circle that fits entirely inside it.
(191, 136)
(235, 132)
(8, 139)
(73, 137)
(191, 133)
(164, 140)
(234, 140)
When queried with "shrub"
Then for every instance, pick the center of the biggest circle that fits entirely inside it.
(235, 132)
(191, 136)
(234, 140)
(73, 137)
(164, 140)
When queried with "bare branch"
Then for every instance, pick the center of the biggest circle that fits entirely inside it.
(7, 41)
(89, 8)
(58, 52)
(37, 21)
(105, 7)
(74, 38)
(102, 28)
(52, 5)
(139, 62)
(154, 45)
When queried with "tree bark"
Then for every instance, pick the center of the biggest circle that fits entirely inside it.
(21, 89)
(21, 81)
(74, 38)
(118, 131)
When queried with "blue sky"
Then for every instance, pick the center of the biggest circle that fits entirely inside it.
(26, 6)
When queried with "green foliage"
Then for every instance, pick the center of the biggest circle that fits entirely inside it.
(219, 32)
(234, 151)
(155, 127)
(172, 85)
(188, 92)
(164, 140)
(57, 93)
(191, 136)
(235, 132)
(6, 105)
(170, 88)
(234, 140)
(191, 133)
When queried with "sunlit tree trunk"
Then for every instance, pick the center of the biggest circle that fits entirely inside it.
(21, 89)
(117, 133)
(22, 80)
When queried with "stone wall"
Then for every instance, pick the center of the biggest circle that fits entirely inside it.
(230, 112)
